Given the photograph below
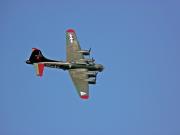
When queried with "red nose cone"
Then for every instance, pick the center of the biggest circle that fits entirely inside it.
(70, 30)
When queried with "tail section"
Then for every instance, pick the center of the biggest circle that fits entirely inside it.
(36, 56)
(36, 59)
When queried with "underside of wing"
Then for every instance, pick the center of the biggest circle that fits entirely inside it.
(79, 78)
(72, 47)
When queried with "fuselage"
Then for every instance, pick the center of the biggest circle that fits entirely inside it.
(70, 65)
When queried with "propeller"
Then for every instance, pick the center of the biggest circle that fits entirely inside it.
(89, 50)
(93, 59)
(89, 53)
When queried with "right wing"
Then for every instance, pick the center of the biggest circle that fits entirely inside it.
(79, 78)
(72, 47)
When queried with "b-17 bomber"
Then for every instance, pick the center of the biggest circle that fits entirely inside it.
(82, 69)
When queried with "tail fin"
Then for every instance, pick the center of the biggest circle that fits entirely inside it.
(36, 56)
(37, 60)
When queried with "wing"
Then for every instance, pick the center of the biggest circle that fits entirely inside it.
(72, 47)
(79, 78)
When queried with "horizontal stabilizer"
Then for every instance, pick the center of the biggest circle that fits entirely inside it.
(39, 68)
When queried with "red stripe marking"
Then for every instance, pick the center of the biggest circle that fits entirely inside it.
(33, 49)
(40, 69)
(85, 97)
(70, 30)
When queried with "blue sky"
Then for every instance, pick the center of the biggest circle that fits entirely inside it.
(137, 42)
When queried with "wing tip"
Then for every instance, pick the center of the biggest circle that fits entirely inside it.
(85, 97)
(70, 30)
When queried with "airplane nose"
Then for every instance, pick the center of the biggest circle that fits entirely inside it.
(101, 68)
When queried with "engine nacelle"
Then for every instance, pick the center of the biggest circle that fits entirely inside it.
(92, 73)
(92, 80)
(85, 52)
(87, 60)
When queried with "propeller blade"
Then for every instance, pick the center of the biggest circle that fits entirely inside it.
(89, 53)
(93, 59)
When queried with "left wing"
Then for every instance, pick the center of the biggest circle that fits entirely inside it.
(72, 47)
(79, 78)
(73, 54)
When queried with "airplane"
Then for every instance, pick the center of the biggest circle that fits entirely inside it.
(83, 70)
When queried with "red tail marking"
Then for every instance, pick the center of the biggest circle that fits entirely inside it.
(33, 49)
(40, 69)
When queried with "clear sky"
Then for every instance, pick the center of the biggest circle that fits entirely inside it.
(138, 42)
